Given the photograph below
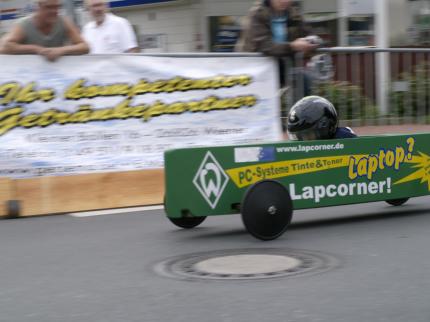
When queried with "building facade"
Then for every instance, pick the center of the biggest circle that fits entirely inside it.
(207, 25)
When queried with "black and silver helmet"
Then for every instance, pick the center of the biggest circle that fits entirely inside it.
(312, 118)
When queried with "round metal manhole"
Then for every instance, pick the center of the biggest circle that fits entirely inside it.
(245, 264)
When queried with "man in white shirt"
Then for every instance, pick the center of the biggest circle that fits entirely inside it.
(108, 33)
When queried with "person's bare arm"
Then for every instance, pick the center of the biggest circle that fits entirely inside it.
(78, 45)
(13, 43)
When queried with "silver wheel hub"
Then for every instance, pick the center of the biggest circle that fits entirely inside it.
(272, 210)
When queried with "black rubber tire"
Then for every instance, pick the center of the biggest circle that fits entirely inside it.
(187, 222)
(267, 209)
(397, 202)
(184, 222)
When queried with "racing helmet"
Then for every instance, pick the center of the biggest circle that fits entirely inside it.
(312, 118)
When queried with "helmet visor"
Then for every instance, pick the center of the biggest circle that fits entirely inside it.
(304, 135)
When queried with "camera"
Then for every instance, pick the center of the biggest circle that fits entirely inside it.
(314, 40)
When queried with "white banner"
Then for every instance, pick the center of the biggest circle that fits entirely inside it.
(117, 113)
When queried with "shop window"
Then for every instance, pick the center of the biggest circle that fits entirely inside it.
(361, 30)
(224, 33)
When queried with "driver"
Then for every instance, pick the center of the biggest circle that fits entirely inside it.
(315, 118)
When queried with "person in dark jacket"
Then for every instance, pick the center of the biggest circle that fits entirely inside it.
(315, 118)
(273, 28)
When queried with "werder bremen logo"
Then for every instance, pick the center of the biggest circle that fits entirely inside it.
(210, 180)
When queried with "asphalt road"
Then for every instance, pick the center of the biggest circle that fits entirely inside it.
(61, 268)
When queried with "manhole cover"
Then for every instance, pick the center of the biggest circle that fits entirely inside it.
(245, 264)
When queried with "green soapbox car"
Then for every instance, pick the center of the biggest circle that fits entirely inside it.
(266, 182)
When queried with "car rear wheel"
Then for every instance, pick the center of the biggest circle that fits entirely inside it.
(397, 202)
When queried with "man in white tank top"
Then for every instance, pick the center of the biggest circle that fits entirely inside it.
(45, 33)
(108, 33)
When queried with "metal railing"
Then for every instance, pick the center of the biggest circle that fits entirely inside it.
(368, 86)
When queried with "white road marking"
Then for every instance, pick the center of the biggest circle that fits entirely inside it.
(114, 211)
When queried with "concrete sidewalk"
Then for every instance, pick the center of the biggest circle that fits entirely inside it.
(392, 129)
(388, 129)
